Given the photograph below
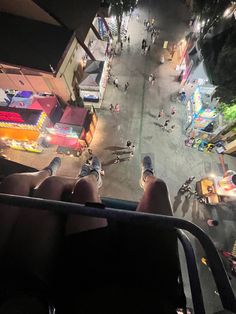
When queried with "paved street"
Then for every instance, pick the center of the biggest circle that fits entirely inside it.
(173, 161)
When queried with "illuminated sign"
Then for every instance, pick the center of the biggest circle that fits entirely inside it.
(197, 100)
(11, 117)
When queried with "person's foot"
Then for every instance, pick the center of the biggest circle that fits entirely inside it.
(53, 166)
(96, 170)
(84, 171)
(147, 170)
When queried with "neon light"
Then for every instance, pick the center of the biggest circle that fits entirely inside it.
(11, 117)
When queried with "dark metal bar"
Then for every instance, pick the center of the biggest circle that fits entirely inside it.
(96, 33)
(194, 280)
(218, 270)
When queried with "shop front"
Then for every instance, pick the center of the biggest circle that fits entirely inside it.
(21, 128)
(74, 131)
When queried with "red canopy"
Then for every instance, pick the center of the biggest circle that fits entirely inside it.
(46, 104)
(74, 116)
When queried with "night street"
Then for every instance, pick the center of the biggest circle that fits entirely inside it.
(137, 121)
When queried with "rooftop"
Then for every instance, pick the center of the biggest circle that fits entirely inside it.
(30, 43)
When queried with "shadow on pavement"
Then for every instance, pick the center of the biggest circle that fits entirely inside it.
(177, 201)
(114, 148)
(158, 124)
(112, 162)
(121, 153)
(185, 206)
(151, 115)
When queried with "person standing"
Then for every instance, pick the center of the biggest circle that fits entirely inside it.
(117, 160)
(160, 114)
(165, 125)
(150, 78)
(173, 111)
(117, 108)
(116, 82)
(212, 223)
(126, 86)
(172, 128)
(111, 108)
(121, 45)
(128, 144)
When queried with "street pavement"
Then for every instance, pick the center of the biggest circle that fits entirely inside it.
(136, 121)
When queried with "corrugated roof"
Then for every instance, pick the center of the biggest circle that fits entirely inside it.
(30, 43)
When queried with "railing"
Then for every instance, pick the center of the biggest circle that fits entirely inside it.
(127, 213)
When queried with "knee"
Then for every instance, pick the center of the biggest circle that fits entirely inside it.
(158, 187)
(84, 185)
(50, 186)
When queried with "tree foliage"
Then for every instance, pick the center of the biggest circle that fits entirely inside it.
(119, 7)
(228, 110)
(210, 12)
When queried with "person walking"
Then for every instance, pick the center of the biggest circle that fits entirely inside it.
(160, 114)
(128, 39)
(165, 125)
(116, 82)
(126, 86)
(172, 128)
(212, 223)
(121, 45)
(150, 78)
(111, 108)
(128, 144)
(117, 160)
(153, 79)
(173, 111)
(117, 108)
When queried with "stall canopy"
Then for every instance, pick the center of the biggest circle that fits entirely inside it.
(94, 67)
(49, 105)
(90, 82)
(74, 116)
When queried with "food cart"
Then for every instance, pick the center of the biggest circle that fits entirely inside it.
(216, 189)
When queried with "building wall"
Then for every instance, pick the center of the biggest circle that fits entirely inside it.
(28, 9)
(70, 65)
(38, 82)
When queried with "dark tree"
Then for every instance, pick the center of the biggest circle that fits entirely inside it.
(211, 12)
(119, 7)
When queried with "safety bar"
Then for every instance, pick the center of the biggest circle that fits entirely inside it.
(220, 276)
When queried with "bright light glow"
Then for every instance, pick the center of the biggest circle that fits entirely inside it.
(198, 27)
(203, 23)
(227, 12)
(212, 175)
(113, 19)
(48, 138)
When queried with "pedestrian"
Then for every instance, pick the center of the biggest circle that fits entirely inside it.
(212, 223)
(165, 125)
(154, 39)
(117, 108)
(126, 86)
(171, 128)
(146, 50)
(173, 111)
(153, 80)
(116, 82)
(117, 160)
(128, 143)
(90, 151)
(150, 78)
(131, 154)
(125, 38)
(145, 22)
(148, 26)
(160, 114)
(133, 148)
(111, 108)
(128, 39)
(121, 45)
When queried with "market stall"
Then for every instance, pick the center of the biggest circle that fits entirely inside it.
(75, 129)
(217, 189)
(93, 84)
